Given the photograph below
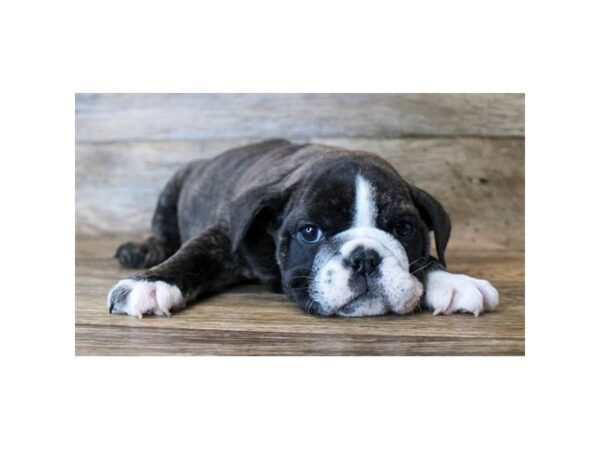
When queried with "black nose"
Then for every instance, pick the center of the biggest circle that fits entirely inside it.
(363, 261)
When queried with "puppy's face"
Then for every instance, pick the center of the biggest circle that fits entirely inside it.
(347, 242)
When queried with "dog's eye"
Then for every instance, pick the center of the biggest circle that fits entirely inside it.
(404, 229)
(310, 234)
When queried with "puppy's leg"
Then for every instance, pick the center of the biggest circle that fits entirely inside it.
(202, 265)
(447, 293)
(165, 239)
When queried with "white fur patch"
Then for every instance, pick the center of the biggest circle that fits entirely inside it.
(400, 292)
(401, 288)
(365, 211)
(148, 297)
(396, 290)
(448, 293)
(332, 284)
(384, 243)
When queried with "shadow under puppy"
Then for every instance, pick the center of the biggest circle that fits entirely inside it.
(338, 231)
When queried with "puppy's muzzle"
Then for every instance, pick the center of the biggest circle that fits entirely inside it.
(364, 272)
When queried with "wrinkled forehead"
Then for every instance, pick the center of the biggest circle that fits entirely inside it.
(346, 197)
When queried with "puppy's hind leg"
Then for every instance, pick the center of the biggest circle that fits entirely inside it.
(145, 254)
(165, 239)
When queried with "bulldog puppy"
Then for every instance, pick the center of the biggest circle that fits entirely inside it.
(338, 231)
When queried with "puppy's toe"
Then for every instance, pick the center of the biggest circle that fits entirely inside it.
(439, 299)
(491, 297)
(467, 298)
(448, 293)
(139, 297)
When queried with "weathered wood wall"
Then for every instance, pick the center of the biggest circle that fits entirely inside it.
(118, 117)
(466, 149)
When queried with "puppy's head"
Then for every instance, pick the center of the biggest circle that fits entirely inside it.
(350, 237)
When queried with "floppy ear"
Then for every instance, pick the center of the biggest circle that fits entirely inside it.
(436, 218)
(246, 208)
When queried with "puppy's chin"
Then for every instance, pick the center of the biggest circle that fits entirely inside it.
(373, 305)
(400, 295)
(338, 289)
(333, 291)
(363, 305)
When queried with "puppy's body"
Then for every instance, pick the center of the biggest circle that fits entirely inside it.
(246, 214)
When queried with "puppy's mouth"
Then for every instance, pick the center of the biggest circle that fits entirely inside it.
(365, 293)
(351, 306)
(370, 300)
(348, 309)
(364, 288)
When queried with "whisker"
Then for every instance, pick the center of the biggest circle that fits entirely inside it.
(301, 276)
(298, 288)
(310, 305)
(424, 267)
(417, 260)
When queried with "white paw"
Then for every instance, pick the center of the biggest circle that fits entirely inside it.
(448, 293)
(139, 297)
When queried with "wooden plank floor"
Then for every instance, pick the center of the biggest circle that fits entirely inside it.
(250, 320)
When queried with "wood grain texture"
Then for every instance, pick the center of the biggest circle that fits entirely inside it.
(249, 320)
(117, 117)
(480, 181)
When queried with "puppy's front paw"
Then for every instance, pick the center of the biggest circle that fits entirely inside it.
(448, 293)
(139, 297)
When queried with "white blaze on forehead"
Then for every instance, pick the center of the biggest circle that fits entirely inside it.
(365, 211)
